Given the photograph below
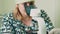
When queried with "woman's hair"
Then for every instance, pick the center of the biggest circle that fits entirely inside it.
(17, 14)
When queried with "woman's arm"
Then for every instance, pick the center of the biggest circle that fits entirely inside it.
(49, 25)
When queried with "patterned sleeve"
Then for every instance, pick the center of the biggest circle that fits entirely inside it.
(49, 25)
(6, 26)
(35, 25)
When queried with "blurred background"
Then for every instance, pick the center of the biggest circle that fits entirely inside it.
(52, 7)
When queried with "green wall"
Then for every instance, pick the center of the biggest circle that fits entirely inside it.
(8, 5)
(1, 6)
(57, 9)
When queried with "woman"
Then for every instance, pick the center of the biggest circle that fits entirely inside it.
(20, 21)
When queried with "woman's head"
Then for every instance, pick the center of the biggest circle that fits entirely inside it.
(22, 1)
(20, 5)
(25, 2)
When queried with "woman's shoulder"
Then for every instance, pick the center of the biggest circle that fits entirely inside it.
(8, 15)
